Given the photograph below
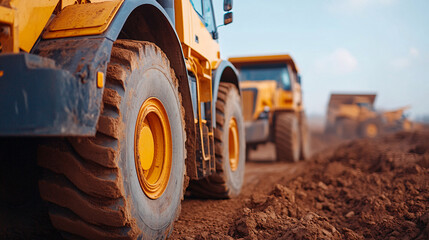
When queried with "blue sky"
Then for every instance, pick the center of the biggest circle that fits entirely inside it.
(340, 45)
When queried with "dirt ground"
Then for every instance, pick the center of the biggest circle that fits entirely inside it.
(359, 189)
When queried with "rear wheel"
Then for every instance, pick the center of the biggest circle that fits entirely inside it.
(126, 182)
(287, 137)
(230, 147)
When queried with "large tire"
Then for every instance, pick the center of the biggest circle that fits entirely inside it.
(287, 137)
(371, 128)
(228, 179)
(346, 128)
(93, 184)
(305, 137)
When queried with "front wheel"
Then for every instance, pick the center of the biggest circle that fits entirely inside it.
(287, 137)
(126, 182)
(370, 128)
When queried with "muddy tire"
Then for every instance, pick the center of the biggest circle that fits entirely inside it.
(230, 157)
(287, 137)
(93, 185)
(346, 128)
(305, 137)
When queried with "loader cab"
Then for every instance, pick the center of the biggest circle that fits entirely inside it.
(204, 9)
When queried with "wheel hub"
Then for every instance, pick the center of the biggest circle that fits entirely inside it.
(153, 148)
(371, 130)
(233, 144)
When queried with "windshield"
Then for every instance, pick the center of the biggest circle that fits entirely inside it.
(365, 105)
(277, 72)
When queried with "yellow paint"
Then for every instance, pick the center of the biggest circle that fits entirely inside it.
(83, 19)
(201, 53)
(153, 148)
(29, 20)
(394, 115)
(100, 79)
(233, 144)
(269, 93)
(371, 130)
(65, 3)
(264, 97)
(189, 27)
(146, 147)
(240, 61)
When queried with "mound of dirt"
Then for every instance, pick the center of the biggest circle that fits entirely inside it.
(279, 216)
(368, 188)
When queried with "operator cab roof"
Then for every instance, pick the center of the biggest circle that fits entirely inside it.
(269, 59)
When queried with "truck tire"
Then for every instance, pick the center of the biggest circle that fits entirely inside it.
(346, 128)
(370, 128)
(111, 186)
(287, 137)
(305, 136)
(230, 148)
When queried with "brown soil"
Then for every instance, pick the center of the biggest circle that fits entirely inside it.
(360, 189)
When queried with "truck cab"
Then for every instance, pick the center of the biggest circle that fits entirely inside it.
(271, 86)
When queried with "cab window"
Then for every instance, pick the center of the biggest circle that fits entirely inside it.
(260, 72)
(198, 6)
(209, 21)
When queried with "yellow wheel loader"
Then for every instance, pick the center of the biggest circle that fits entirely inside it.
(126, 101)
(353, 115)
(273, 105)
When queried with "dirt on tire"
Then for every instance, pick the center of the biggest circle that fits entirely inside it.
(361, 189)
(287, 137)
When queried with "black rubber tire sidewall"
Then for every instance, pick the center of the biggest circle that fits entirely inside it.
(285, 149)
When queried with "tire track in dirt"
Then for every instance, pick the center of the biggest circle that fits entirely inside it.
(360, 189)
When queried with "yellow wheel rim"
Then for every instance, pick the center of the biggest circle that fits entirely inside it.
(233, 144)
(407, 125)
(153, 148)
(371, 130)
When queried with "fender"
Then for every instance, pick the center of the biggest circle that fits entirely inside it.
(84, 56)
(225, 72)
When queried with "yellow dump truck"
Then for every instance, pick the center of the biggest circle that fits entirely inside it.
(126, 100)
(354, 115)
(273, 106)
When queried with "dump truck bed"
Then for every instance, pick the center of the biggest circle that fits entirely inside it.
(349, 98)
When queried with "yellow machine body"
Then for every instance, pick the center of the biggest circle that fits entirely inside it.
(70, 18)
(358, 107)
(61, 27)
(270, 95)
(358, 113)
(270, 87)
(25, 20)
